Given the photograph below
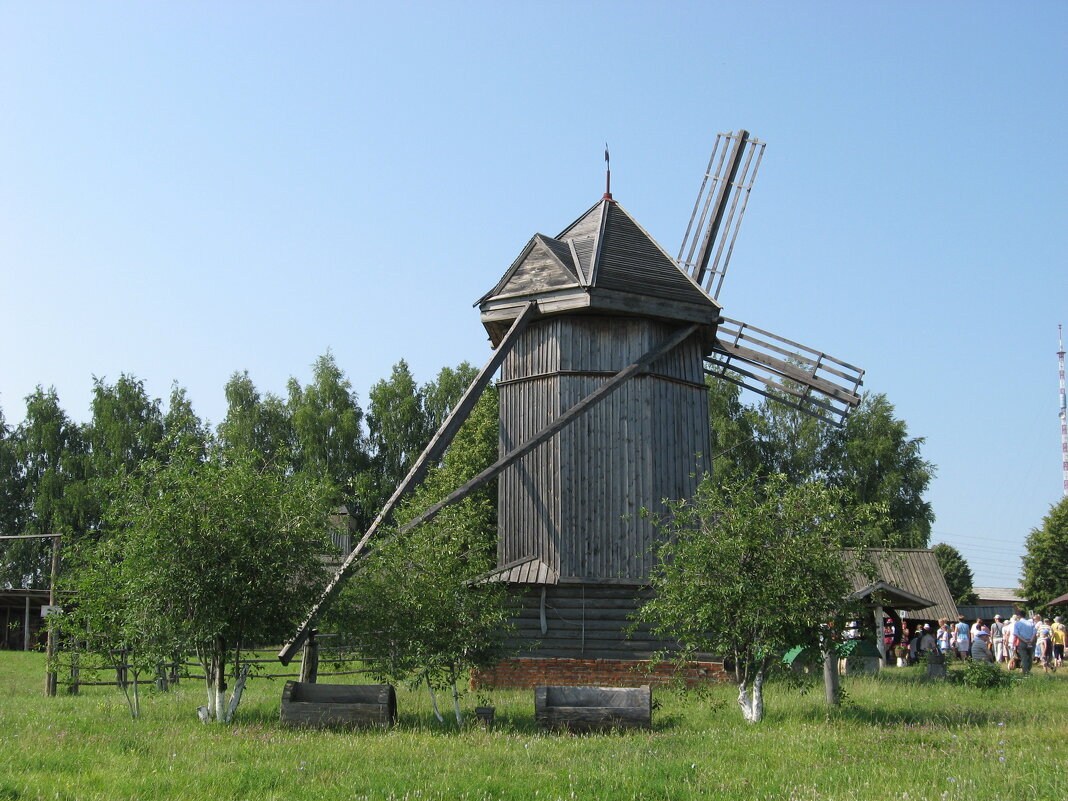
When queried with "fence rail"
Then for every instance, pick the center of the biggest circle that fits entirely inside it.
(173, 673)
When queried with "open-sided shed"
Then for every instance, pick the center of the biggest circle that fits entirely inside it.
(908, 581)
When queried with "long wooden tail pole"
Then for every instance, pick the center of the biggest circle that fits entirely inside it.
(430, 455)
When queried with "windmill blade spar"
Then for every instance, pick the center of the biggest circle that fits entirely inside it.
(784, 370)
(717, 214)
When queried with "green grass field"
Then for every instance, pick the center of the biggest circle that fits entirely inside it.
(896, 737)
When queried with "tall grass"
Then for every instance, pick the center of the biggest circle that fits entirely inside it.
(896, 737)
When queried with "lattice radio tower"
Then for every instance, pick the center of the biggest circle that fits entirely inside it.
(1064, 419)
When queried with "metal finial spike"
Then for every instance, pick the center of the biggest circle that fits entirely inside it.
(607, 174)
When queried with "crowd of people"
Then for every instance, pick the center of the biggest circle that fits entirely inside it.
(1019, 641)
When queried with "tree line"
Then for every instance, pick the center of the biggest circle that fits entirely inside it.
(55, 471)
(190, 538)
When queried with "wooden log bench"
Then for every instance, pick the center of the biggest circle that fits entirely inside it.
(320, 706)
(593, 708)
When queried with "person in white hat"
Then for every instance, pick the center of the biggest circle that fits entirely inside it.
(981, 647)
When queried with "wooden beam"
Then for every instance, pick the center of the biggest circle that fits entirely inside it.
(430, 455)
(787, 370)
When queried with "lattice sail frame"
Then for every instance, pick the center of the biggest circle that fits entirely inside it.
(786, 371)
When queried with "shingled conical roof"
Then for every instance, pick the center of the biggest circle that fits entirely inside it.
(603, 262)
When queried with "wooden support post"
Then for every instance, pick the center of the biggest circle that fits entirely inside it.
(50, 649)
(433, 451)
(309, 661)
(75, 672)
(880, 644)
(26, 626)
(121, 677)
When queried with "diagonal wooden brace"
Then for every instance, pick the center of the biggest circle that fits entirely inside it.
(430, 455)
(491, 472)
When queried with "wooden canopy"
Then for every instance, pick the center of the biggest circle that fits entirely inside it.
(888, 596)
(911, 581)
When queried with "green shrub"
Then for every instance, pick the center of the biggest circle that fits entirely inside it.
(983, 676)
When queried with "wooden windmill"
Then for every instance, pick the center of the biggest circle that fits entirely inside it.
(603, 342)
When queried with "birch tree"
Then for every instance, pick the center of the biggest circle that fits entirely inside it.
(211, 556)
(49, 449)
(417, 608)
(1045, 565)
(750, 568)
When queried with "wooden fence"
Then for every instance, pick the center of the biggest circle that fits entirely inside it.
(307, 669)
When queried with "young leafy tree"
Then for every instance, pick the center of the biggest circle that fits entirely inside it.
(1045, 565)
(957, 573)
(871, 458)
(256, 426)
(874, 460)
(183, 431)
(50, 452)
(107, 620)
(398, 431)
(442, 394)
(750, 568)
(328, 430)
(734, 437)
(11, 493)
(212, 555)
(417, 608)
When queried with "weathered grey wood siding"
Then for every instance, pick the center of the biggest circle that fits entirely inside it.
(582, 622)
(541, 270)
(575, 501)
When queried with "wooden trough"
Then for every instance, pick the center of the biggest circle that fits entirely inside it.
(593, 708)
(320, 706)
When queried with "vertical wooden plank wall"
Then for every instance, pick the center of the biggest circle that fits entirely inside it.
(575, 501)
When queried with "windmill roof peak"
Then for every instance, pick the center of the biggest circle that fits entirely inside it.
(604, 260)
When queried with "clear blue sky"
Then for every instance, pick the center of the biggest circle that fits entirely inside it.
(190, 189)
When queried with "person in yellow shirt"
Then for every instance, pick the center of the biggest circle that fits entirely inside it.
(1059, 635)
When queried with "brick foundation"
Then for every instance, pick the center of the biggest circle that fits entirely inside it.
(528, 672)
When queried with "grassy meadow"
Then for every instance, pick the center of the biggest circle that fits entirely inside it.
(896, 737)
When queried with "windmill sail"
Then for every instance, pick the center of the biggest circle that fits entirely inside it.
(786, 371)
(717, 213)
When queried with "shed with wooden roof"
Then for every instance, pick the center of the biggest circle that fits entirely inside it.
(910, 575)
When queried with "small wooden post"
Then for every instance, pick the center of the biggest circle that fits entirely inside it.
(880, 622)
(936, 665)
(75, 671)
(309, 660)
(50, 648)
(120, 671)
(830, 676)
